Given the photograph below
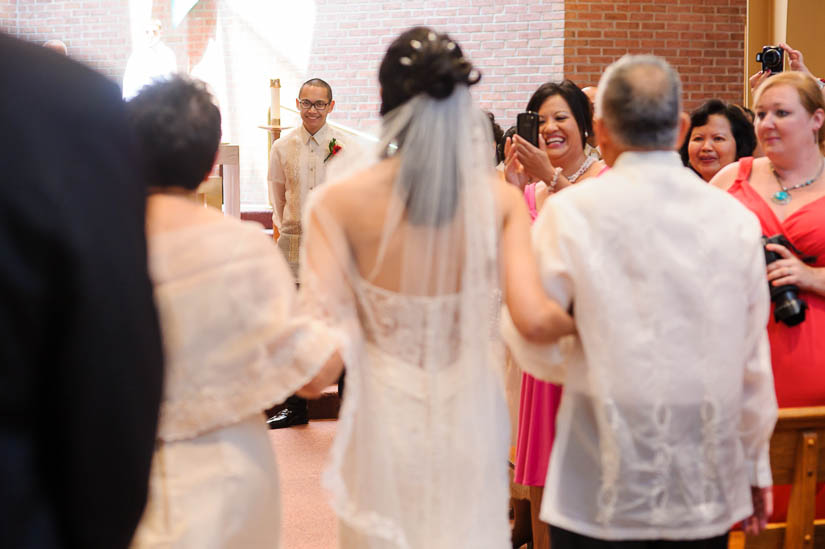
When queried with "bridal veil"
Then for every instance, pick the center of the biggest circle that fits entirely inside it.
(420, 456)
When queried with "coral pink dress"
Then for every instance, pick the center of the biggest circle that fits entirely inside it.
(797, 352)
(537, 411)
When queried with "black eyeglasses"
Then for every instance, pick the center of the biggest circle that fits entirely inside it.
(306, 104)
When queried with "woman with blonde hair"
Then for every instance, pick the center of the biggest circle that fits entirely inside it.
(786, 191)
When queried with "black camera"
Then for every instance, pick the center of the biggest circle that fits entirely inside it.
(771, 58)
(788, 308)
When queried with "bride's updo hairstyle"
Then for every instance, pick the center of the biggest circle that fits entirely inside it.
(422, 61)
(428, 114)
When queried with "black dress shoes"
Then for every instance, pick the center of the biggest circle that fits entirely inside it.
(287, 418)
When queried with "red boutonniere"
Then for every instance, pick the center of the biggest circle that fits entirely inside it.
(334, 148)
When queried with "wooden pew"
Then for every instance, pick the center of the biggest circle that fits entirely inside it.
(798, 459)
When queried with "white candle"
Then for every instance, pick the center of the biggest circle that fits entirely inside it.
(275, 102)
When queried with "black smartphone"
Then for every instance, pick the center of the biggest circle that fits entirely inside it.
(527, 126)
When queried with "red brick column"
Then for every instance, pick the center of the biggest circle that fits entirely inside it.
(703, 39)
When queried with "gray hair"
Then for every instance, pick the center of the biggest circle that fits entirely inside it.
(639, 99)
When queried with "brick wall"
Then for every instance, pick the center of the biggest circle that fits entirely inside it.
(95, 31)
(239, 45)
(703, 39)
(516, 44)
(8, 14)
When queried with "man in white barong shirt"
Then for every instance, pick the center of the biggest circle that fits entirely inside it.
(668, 404)
(297, 164)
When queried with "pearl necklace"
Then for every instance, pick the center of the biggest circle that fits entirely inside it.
(783, 196)
(588, 161)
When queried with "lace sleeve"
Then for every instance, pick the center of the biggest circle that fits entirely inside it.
(327, 273)
(234, 340)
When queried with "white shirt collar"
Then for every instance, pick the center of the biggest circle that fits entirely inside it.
(633, 158)
(320, 136)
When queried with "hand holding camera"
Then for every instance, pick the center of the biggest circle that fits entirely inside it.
(795, 60)
(529, 151)
(513, 170)
(787, 274)
(772, 59)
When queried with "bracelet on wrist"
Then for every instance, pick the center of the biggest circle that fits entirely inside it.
(556, 174)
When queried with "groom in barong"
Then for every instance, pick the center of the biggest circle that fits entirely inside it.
(297, 164)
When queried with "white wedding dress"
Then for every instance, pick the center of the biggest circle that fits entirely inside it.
(420, 457)
(421, 418)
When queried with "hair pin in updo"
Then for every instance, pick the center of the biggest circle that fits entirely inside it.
(450, 46)
(415, 44)
(432, 36)
(406, 61)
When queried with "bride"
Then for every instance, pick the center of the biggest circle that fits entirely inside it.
(402, 260)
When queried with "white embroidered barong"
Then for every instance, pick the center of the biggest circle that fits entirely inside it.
(668, 401)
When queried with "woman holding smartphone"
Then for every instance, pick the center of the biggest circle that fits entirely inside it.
(558, 159)
(564, 123)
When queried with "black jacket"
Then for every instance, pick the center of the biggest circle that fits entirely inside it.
(80, 350)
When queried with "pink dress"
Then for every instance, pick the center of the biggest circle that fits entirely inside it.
(537, 411)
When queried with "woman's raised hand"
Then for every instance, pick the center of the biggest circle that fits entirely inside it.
(534, 159)
(514, 172)
(795, 60)
(757, 78)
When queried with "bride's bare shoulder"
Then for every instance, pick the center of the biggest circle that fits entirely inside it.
(358, 189)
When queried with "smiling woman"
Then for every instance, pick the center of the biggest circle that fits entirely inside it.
(719, 134)
(565, 122)
(786, 191)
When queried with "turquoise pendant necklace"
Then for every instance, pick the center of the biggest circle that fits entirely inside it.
(783, 196)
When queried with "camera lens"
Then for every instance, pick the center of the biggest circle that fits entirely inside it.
(772, 57)
(789, 309)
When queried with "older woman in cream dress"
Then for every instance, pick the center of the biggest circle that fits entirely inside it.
(233, 340)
